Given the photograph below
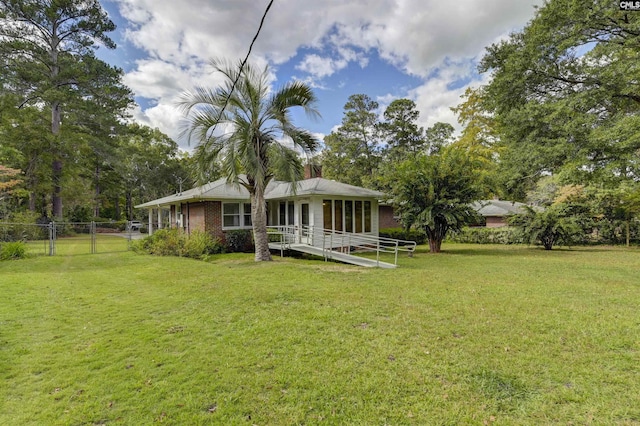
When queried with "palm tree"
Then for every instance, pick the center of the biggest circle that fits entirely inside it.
(246, 129)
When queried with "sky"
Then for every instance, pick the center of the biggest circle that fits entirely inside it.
(423, 50)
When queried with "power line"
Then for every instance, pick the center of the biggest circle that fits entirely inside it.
(242, 64)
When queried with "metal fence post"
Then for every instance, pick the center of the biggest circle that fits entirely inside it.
(92, 231)
(52, 238)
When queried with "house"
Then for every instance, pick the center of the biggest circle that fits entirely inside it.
(219, 207)
(496, 212)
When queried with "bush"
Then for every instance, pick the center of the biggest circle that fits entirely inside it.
(200, 244)
(24, 226)
(501, 235)
(240, 241)
(12, 251)
(173, 242)
(400, 234)
(561, 223)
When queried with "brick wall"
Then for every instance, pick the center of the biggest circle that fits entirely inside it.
(495, 221)
(196, 217)
(213, 219)
(386, 219)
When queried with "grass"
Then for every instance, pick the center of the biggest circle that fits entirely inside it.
(475, 335)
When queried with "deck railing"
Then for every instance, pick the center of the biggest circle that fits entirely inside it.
(332, 241)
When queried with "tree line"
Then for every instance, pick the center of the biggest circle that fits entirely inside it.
(557, 126)
(64, 118)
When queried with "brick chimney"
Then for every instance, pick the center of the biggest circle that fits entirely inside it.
(312, 171)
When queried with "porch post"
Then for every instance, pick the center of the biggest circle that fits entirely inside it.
(159, 217)
(150, 221)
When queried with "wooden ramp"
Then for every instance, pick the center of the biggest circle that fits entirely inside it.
(333, 255)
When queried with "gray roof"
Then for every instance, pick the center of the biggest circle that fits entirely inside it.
(498, 207)
(222, 190)
(319, 186)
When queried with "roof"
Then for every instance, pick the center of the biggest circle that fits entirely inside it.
(498, 208)
(223, 190)
(319, 186)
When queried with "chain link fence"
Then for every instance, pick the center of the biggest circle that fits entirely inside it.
(69, 237)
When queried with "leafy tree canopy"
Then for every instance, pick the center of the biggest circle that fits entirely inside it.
(565, 95)
(434, 192)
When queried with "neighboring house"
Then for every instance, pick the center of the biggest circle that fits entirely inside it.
(495, 212)
(219, 207)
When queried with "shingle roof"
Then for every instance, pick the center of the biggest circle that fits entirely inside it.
(498, 207)
(222, 190)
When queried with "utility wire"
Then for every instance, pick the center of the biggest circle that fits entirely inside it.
(244, 62)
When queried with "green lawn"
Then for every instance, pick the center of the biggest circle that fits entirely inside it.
(476, 335)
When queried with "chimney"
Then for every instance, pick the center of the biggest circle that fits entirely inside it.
(312, 171)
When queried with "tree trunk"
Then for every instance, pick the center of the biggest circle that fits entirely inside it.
(116, 204)
(434, 245)
(259, 220)
(96, 201)
(128, 205)
(436, 236)
(628, 232)
(56, 198)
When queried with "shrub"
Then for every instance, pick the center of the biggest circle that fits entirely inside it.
(200, 244)
(240, 241)
(13, 250)
(558, 224)
(24, 227)
(173, 242)
(400, 234)
(481, 235)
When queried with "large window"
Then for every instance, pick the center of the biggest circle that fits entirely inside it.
(358, 216)
(347, 215)
(285, 213)
(327, 214)
(367, 216)
(337, 217)
(236, 215)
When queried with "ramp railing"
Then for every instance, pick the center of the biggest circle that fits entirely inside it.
(332, 241)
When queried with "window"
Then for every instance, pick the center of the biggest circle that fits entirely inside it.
(358, 216)
(327, 214)
(348, 216)
(282, 219)
(337, 206)
(290, 213)
(232, 218)
(247, 214)
(285, 213)
(367, 216)
(305, 214)
(231, 215)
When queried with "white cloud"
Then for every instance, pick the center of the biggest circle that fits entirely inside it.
(435, 40)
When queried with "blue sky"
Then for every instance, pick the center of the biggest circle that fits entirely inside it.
(425, 50)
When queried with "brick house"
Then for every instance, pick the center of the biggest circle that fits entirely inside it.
(496, 212)
(219, 207)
